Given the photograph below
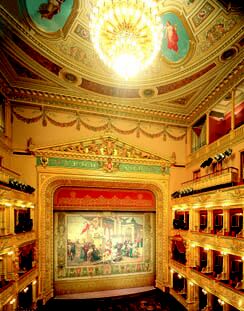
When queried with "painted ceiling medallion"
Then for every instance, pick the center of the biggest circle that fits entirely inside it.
(228, 54)
(176, 41)
(49, 16)
(70, 77)
(148, 92)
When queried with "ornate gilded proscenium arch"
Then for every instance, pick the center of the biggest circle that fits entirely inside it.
(99, 164)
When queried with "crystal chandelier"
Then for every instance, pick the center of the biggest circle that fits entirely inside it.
(126, 34)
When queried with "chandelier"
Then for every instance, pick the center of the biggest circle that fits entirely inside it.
(126, 34)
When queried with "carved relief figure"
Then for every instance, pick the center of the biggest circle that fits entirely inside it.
(48, 10)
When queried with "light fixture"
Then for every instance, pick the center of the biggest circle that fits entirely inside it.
(228, 152)
(219, 157)
(126, 34)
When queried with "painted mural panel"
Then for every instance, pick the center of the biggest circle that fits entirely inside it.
(176, 41)
(50, 15)
(90, 244)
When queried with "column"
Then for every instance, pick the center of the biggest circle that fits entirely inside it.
(10, 268)
(196, 256)
(8, 128)
(32, 216)
(194, 220)
(242, 269)
(226, 269)
(210, 220)
(226, 307)
(171, 277)
(6, 218)
(34, 293)
(190, 292)
(207, 128)
(210, 299)
(11, 220)
(241, 234)
(5, 266)
(233, 109)
(226, 220)
(209, 260)
(189, 142)
(190, 254)
(192, 296)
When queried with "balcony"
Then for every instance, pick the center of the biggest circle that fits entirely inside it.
(217, 180)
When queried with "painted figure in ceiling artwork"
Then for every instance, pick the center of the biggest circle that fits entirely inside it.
(176, 41)
(49, 16)
(172, 37)
(48, 10)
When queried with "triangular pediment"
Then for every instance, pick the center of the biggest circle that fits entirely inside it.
(98, 148)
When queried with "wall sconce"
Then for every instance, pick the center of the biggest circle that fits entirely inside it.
(204, 291)
(12, 301)
(221, 302)
(25, 290)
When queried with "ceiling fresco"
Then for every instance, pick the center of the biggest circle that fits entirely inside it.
(46, 52)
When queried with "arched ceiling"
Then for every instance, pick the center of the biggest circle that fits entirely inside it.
(49, 59)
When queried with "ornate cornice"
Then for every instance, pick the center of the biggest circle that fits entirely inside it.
(107, 154)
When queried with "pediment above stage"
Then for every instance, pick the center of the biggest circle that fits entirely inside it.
(101, 148)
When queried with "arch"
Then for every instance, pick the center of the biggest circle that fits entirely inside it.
(49, 180)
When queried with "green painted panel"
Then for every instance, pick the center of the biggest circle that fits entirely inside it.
(94, 165)
(70, 163)
(155, 169)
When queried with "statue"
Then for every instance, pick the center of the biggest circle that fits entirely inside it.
(51, 8)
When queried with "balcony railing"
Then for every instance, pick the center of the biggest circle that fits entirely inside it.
(219, 179)
(228, 175)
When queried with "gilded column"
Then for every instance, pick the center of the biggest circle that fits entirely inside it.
(226, 220)
(189, 255)
(196, 220)
(210, 220)
(8, 129)
(189, 141)
(242, 229)
(226, 270)
(171, 277)
(196, 253)
(233, 109)
(207, 128)
(210, 299)
(226, 307)
(11, 220)
(32, 216)
(34, 293)
(210, 260)
(6, 220)
(192, 296)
